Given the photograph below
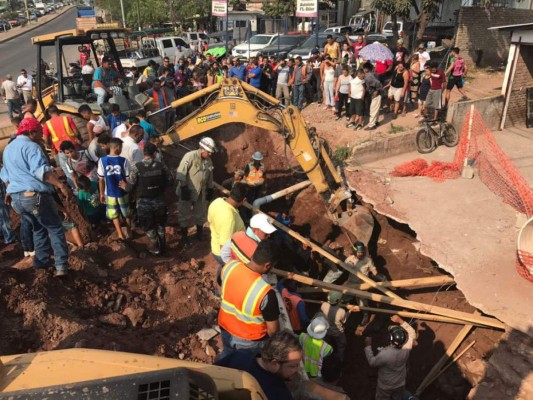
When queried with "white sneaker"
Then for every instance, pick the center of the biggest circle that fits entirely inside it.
(29, 253)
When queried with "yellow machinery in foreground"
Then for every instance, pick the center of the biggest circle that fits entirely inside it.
(98, 374)
(235, 101)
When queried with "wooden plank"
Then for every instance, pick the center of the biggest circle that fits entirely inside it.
(415, 283)
(401, 313)
(463, 333)
(412, 305)
(318, 248)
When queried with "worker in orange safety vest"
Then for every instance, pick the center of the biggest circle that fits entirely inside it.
(255, 177)
(160, 101)
(242, 245)
(249, 309)
(56, 130)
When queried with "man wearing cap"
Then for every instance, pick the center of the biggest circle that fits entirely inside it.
(314, 347)
(254, 174)
(401, 53)
(149, 179)
(11, 95)
(102, 80)
(30, 184)
(195, 188)
(423, 55)
(242, 244)
(224, 219)
(336, 316)
(249, 309)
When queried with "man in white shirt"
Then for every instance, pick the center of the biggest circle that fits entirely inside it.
(423, 55)
(25, 83)
(11, 95)
(121, 131)
(130, 147)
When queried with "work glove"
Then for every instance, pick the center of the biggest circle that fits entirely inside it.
(210, 193)
(185, 193)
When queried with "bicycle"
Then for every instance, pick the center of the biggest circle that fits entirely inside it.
(428, 139)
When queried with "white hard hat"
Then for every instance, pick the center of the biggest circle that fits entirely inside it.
(208, 144)
(318, 328)
(257, 156)
(262, 222)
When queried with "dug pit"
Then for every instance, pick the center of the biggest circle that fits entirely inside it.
(119, 298)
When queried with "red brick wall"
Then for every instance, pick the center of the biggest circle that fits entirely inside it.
(473, 35)
(523, 79)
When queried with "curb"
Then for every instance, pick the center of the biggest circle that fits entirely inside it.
(35, 26)
(384, 146)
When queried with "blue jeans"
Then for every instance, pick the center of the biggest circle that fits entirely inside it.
(13, 105)
(26, 234)
(298, 96)
(61, 159)
(41, 211)
(5, 223)
(232, 343)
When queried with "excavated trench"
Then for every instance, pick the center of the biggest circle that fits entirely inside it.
(119, 298)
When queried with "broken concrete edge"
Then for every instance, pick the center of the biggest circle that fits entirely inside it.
(429, 254)
(38, 25)
(490, 107)
(384, 146)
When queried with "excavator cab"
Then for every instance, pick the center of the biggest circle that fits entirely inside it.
(67, 87)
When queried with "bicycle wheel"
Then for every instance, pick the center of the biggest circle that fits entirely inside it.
(450, 138)
(425, 142)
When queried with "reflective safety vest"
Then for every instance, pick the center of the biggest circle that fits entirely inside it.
(291, 304)
(315, 350)
(156, 98)
(255, 176)
(242, 293)
(242, 247)
(60, 130)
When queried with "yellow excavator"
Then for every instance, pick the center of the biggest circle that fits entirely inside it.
(235, 101)
(99, 374)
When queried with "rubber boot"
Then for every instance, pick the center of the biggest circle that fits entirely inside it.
(153, 247)
(199, 233)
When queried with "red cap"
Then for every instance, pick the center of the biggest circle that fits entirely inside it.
(29, 124)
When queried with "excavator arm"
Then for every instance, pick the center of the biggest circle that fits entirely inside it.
(236, 101)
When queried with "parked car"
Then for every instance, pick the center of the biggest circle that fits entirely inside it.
(167, 45)
(437, 34)
(404, 28)
(282, 45)
(14, 22)
(339, 30)
(304, 50)
(252, 47)
(362, 20)
(4, 25)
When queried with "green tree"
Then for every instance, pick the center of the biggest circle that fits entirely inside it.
(279, 8)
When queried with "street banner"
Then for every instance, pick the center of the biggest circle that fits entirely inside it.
(219, 8)
(307, 8)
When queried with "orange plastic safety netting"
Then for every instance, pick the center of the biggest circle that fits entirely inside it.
(493, 166)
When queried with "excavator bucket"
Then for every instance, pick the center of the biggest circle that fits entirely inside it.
(358, 224)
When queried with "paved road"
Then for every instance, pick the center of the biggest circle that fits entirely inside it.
(20, 53)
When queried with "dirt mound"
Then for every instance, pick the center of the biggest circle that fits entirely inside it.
(112, 299)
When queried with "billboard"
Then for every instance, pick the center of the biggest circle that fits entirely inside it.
(307, 8)
(219, 8)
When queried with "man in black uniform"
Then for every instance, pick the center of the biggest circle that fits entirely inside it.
(148, 179)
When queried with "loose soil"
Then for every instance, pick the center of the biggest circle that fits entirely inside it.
(118, 297)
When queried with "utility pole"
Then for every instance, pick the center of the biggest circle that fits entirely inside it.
(123, 15)
(26, 11)
(317, 20)
(139, 15)
(227, 28)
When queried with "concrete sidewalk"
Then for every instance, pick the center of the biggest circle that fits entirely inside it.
(467, 229)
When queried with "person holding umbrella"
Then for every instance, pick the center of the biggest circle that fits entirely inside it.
(381, 56)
